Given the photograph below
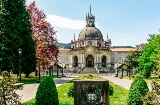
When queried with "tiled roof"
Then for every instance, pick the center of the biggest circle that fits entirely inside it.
(122, 49)
(63, 50)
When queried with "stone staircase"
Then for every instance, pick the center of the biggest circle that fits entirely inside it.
(90, 70)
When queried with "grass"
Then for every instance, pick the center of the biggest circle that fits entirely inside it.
(30, 80)
(119, 97)
(64, 99)
(148, 80)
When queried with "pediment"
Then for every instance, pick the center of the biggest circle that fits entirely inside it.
(89, 49)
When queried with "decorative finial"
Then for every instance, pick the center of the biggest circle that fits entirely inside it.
(90, 9)
(74, 36)
(107, 35)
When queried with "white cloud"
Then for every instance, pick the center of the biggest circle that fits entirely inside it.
(62, 22)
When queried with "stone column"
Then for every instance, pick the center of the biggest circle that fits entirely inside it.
(82, 59)
(79, 59)
(95, 59)
(71, 62)
(100, 59)
(109, 60)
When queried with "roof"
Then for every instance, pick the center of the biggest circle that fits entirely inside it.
(122, 49)
(90, 33)
(63, 50)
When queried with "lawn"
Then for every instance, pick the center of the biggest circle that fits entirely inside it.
(31, 79)
(148, 80)
(119, 97)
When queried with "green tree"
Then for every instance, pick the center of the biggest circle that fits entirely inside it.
(149, 59)
(132, 58)
(16, 33)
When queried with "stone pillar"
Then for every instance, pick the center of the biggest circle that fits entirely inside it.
(71, 63)
(94, 59)
(84, 60)
(79, 59)
(91, 92)
(109, 60)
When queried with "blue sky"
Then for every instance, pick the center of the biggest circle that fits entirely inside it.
(127, 22)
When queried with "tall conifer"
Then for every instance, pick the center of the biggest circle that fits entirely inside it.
(15, 33)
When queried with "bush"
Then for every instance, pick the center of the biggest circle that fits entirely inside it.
(138, 89)
(90, 76)
(8, 95)
(47, 93)
(110, 90)
(71, 91)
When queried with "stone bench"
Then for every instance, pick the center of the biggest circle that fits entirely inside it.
(17, 85)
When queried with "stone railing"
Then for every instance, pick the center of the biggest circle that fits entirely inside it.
(96, 67)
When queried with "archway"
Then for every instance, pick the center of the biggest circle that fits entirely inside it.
(104, 61)
(75, 61)
(89, 61)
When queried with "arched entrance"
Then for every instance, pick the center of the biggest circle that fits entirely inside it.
(104, 61)
(89, 61)
(75, 61)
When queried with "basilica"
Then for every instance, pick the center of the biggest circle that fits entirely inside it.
(91, 50)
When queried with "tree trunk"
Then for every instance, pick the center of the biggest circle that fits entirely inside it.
(36, 73)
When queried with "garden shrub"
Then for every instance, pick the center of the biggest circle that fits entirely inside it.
(138, 89)
(47, 93)
(90, 76)
(111, 90)
(71, 91)
(8, 95)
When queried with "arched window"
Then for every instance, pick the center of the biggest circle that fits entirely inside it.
(75, 61)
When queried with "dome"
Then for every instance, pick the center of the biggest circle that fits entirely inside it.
(90, 33)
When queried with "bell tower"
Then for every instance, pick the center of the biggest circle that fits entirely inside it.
(90, 19)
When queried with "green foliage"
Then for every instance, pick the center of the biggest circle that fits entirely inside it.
(71, 91)
(16, 33)
(138, 89)
(133, 57)
(89, 76)
(111, 91)
(149, 60)
(8, 94)
(47, 92)
(152, 97)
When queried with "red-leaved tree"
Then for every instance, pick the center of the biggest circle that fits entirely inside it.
(44, 36)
